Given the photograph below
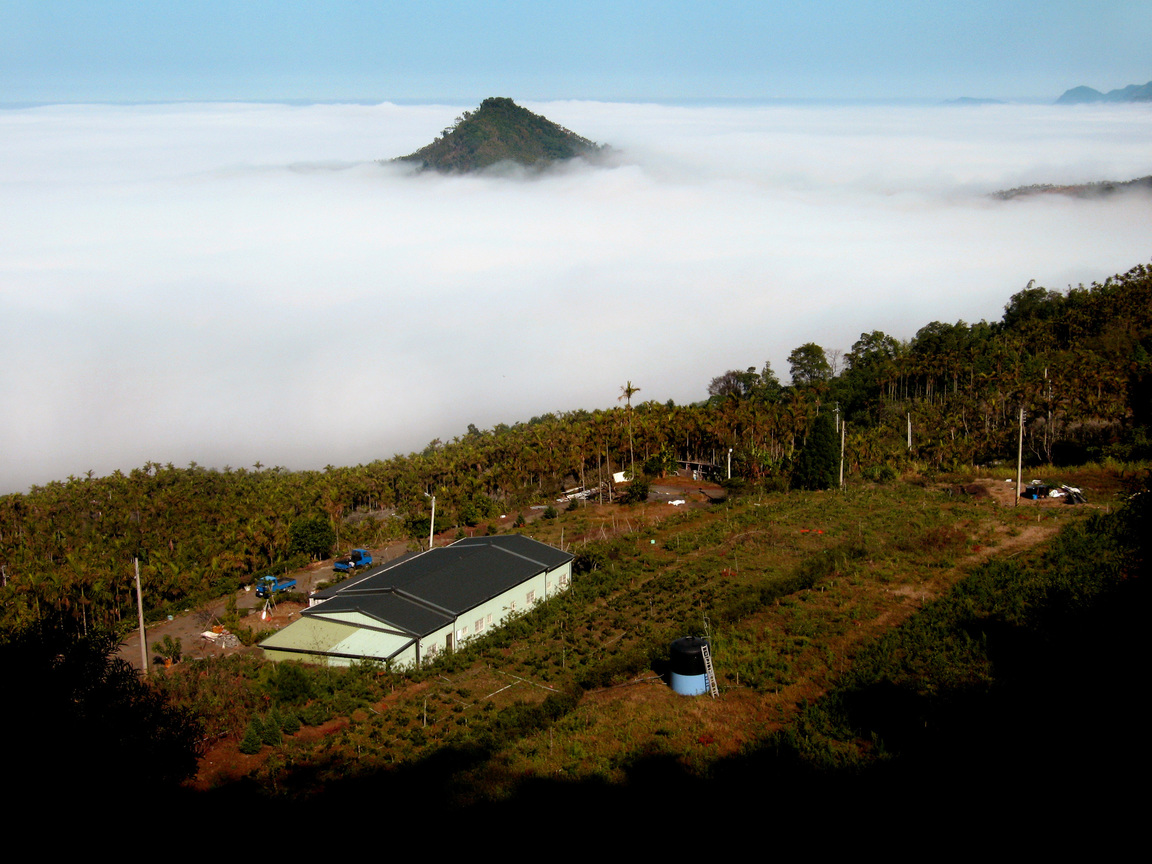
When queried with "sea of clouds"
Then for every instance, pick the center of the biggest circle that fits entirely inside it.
(233, 283)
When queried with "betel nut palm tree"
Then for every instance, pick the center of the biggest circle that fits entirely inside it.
(627, 391)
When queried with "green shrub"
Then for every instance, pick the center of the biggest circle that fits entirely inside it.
(879, 473)
(253, 740)
(168, 648)
(270, 729)
(291, 684)
(637, 491)
(314, 714)
(733, 485)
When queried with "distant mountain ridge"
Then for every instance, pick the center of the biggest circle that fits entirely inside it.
(501, 131)
(1131, 93)
(1100, 189)
(973, 100)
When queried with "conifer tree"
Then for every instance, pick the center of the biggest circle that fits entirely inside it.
(817, 463)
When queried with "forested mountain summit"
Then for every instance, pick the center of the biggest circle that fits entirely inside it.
(501, 131)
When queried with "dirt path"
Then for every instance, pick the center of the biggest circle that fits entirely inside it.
(188, 626)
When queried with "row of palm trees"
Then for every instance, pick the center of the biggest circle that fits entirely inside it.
(69, 546)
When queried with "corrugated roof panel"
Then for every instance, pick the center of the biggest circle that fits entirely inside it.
(372, 644)
(383, 610)
(311, 635)
(518, 544)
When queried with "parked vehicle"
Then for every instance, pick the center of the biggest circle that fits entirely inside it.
(358, 558)
(266, 586)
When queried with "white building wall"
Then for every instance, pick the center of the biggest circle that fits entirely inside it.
(494, 612)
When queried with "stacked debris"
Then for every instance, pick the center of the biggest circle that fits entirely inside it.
(1036, 490)
(221, 638)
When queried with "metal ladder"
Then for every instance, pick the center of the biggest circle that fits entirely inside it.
(709, 670)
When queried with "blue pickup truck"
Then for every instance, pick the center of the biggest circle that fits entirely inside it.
(269, 585)
(358, 558)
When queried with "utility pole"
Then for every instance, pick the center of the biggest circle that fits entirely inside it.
(140, 618)
(842, 427)
(1019, 458)
(1048, 424)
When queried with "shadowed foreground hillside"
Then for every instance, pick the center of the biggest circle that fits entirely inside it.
(893, 646)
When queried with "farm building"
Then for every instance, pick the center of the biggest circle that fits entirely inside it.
(409, 610)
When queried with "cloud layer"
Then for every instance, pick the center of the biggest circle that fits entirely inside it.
(232, 283)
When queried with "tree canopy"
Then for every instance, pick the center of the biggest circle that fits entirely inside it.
(748, 384)
(808, 364)
(313, 537)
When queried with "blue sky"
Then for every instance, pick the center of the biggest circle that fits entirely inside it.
(70, 51)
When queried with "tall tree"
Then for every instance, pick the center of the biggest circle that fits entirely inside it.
(817, 464)
(734, 384)
(627, 391)
(809, 365)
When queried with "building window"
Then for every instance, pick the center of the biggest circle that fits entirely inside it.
(489, 619)
(479, 624)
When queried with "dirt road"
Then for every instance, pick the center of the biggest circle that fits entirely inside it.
(188, 626)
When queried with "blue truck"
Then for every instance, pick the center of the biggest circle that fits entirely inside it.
(266, 586)
(358, 558)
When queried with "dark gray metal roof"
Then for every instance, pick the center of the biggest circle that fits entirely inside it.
(422, 593)
(518, 544)
(393, 612)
